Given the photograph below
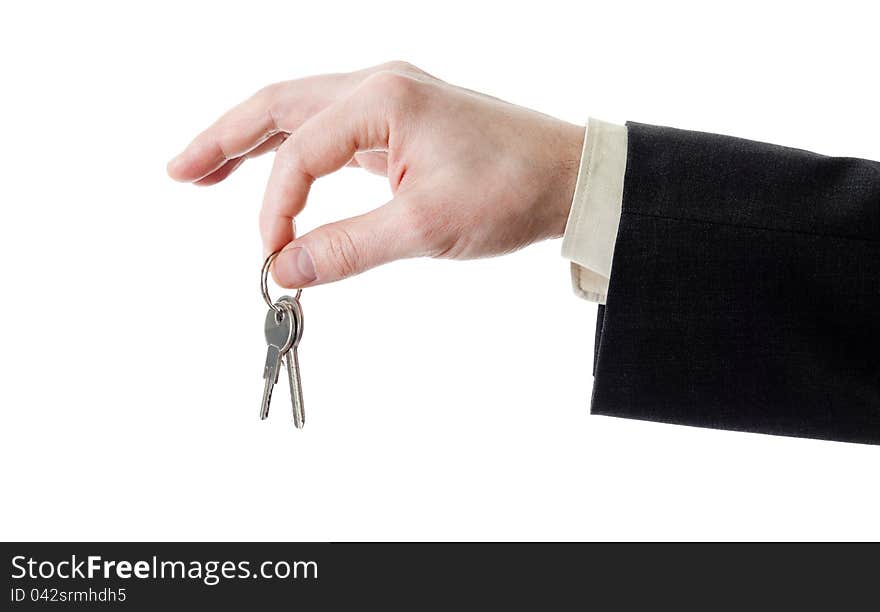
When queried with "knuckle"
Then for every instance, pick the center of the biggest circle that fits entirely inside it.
(292, 158)
(390, 84)
(344, 256)
(265, 95)
(269, 91)
(399, 66)
(214, 143)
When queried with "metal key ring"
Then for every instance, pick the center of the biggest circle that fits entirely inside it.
(264, 282)
(297, 314)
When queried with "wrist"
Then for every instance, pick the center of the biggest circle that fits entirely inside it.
(567, 163)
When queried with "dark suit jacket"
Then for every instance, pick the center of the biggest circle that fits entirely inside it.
(744, 290)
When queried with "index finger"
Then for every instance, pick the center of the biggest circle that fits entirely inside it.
(323, 144)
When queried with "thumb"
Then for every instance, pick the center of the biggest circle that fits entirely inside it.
(348, 247)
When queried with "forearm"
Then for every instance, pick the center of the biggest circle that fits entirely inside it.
(744, 288)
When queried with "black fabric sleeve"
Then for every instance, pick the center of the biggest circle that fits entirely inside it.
(744, 290)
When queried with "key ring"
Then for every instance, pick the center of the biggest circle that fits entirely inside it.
(264, 282)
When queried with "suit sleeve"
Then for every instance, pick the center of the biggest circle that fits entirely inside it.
(744, 289)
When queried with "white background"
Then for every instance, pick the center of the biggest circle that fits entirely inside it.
(445, 400)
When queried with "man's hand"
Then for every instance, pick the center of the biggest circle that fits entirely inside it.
(471, 175)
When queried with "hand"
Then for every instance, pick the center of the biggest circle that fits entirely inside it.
(471, 175)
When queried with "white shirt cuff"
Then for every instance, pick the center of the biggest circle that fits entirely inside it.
(591, 230)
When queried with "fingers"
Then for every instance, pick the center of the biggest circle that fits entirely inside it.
(221, 173)
(332, 120)
(281, 107)
(231, 136)
(345, 248)
(278, 108)
(322, 145)
(270, 144)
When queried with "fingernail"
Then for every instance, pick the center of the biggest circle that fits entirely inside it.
(295, 267)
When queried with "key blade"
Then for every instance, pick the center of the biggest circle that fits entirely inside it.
(273, 362)
(270, 377)
(267, 398)
(291, 361)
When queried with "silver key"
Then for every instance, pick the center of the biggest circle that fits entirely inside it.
(291, 362)
(279, 330)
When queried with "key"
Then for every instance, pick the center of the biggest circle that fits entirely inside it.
(279, 331)
(291, 362)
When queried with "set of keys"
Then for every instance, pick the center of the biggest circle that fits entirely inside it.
(283, 329)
